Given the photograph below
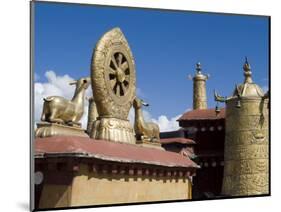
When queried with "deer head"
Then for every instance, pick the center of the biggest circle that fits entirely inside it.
(138, 103)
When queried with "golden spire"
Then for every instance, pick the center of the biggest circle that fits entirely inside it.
(199, 88)
(247, 72)
(198, 68)
(248, 88)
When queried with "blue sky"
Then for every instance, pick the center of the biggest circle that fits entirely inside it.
(166, 46)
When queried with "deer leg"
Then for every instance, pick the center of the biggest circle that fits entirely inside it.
(56, 120)
(75, 124)
(43, 115)
(53, 118)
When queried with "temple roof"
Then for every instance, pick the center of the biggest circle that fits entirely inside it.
(177, 140)
(66, 146)
(203, 114)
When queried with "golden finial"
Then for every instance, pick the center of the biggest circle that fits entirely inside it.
(246, 66)
(198, 68)
(199, 88)
(247, 71)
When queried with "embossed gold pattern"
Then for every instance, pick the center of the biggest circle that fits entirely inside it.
(246, 141)
(113, 129)
(113, 75)
(113, 84)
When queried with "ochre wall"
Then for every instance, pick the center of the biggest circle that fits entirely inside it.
(89, 188)
(55, 196)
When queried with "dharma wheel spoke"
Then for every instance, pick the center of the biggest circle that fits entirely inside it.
(114, 88)
(122, 91)
(120, 57)
(127, 78)
(112, 71)
(113, 83)
(119, 74)
(118, 89)
(124, 66)
(113, 60)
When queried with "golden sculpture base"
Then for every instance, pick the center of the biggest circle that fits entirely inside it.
(113, 129)
(151, 144)
(46, 129)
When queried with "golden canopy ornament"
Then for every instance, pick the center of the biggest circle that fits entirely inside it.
(113, 83)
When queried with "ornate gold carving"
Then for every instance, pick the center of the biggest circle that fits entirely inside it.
(252, 151)
(113, 75)
(248, 166)
(246, 150)
(246, 137)
(114, 130)
(113, 83)
(241, 185)
(246, 141)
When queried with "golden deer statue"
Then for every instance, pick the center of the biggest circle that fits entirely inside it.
(144, 130)
(59, 110)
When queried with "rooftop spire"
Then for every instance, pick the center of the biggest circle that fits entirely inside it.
(247, 71)
(198, 68)
(199, 88)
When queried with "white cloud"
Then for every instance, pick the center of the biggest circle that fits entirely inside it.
(56, 86)
(166, 124)
(59, 86)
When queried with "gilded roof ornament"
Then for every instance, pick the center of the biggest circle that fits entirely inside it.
(199, 75)
(198, 68)
(114, 87)
(247, 71)
(246, 143)
(248, 88)
(199, 88)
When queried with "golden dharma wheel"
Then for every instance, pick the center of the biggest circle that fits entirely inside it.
(113, 75)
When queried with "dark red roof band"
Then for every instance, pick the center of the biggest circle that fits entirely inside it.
(177, 140)
(108, 151)
(203, 114)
